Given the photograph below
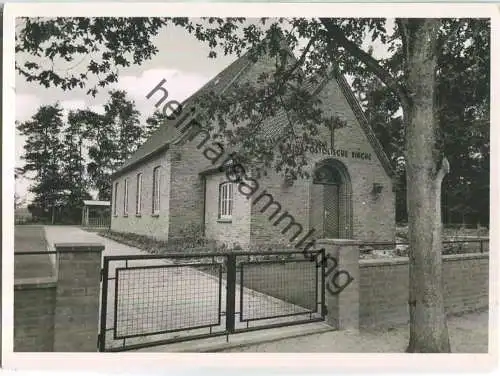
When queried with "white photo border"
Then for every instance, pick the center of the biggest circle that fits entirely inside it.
(145, 362)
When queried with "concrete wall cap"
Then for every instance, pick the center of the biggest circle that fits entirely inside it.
(35, 283)
(72, 247)
(384, 262)
(466, 256)
(338, 242)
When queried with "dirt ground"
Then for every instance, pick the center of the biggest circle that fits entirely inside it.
(468, 334)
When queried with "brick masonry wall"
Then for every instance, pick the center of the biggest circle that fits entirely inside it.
(293, 199)
(466, 282)
(187, 186)
(373, 218)
(77, 301)
(34, 305)
(235, 231)
(144, 224)
(384, 288)
(60, 312)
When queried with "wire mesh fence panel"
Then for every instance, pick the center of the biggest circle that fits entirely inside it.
(156, 301)
(153, 300)
(293, 282)
(280, 290)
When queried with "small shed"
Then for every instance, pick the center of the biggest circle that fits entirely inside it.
(96, 213)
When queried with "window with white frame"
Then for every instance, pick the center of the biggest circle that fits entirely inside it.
(156, 190)
(138, 194)
(115, 196)
(125, 197)
(226, 200)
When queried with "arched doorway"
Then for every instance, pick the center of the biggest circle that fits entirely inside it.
(331, 203)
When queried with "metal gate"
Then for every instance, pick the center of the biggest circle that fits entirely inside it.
(151, 300)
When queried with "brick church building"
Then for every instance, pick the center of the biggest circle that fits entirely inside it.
(168, 186)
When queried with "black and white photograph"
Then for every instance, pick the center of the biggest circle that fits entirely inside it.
(296, 182)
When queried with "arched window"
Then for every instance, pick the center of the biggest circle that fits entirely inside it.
(226, 200)
(327, 175)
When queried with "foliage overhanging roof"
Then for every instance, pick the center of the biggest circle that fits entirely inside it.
(160, 140)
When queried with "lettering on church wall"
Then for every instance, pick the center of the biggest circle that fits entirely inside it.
(322, 149)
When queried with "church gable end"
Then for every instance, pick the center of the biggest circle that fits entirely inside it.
(356, 141)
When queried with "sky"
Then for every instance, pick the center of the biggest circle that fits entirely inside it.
(182, 61)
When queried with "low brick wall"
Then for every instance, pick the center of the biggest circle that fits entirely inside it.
(60, 313)
(77, 302)
(384, 288)
(34, 306)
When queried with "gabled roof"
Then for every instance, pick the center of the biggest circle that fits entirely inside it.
(363, 122)
(273, 126)
(159, 141)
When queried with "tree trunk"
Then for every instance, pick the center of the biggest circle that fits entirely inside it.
(426, 168)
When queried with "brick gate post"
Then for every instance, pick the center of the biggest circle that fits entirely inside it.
(342, 282)
(77, 297)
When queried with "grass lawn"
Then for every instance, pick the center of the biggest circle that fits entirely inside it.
(29, 238)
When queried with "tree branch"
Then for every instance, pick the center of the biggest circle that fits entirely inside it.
(453, 33)
(287, 74)
(337, 35)
(403, 31)
(444, 169)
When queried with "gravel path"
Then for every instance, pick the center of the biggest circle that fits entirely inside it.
(29, 238)
(73, 234)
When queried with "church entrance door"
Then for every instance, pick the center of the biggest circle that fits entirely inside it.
(331, 201)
